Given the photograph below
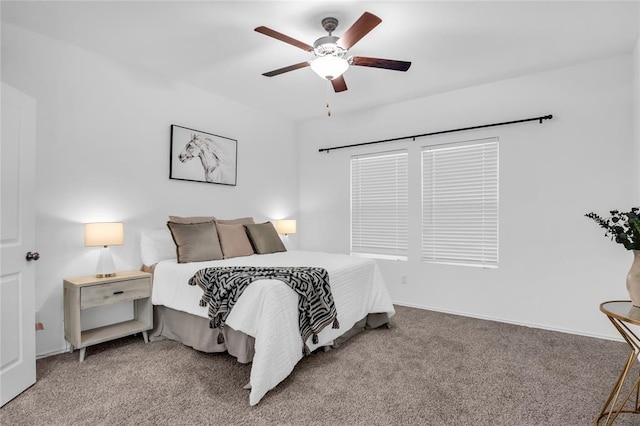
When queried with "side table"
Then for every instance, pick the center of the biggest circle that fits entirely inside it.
(89, 292)
(623, 315)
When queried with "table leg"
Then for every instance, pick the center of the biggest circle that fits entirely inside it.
(609, 409)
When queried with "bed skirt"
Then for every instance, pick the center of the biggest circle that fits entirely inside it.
(192, 330)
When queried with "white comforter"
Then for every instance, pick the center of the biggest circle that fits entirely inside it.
(268, 309)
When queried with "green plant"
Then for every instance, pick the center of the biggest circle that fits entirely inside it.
(622, 227)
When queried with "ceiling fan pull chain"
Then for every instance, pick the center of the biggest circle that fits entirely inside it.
(328, 96)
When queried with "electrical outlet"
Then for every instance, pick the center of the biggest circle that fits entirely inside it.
(403, 279)
(39, 324)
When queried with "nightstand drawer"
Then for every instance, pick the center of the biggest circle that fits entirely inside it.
(105, 294)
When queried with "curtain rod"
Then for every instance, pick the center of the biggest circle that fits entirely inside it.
(541, 118)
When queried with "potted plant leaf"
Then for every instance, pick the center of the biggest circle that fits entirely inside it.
(624, 228)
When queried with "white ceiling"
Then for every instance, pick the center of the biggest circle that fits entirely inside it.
(453, 44)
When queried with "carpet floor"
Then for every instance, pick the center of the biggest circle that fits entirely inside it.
(429, 369)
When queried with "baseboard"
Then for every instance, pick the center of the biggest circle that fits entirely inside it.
(51, 353)
(524, 324)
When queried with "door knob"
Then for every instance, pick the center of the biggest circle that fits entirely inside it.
(32, 256)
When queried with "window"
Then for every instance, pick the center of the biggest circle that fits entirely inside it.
(460, 203)
(379, 205)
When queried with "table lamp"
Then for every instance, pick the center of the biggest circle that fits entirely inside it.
(286, 226)
(104, 234)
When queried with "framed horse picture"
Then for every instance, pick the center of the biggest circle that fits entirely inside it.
(202, 157)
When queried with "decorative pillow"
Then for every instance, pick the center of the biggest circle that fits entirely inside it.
(196, 242)
(156, 245)
(192, 219)
(234, 240)
(264, 238)
(241, 221)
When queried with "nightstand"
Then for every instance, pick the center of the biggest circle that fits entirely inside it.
(90, 292)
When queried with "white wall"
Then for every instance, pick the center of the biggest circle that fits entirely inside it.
(555, 265)
(103, 155)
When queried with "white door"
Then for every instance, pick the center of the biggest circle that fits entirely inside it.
(17, 238)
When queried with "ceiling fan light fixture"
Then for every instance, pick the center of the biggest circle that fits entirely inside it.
(331, 60)
(329, 67)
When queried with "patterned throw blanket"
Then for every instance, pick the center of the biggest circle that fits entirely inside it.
(223, 287)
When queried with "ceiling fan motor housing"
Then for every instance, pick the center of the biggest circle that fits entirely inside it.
(327, 46)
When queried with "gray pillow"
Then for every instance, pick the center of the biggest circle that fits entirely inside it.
(196, 242)
(191, 219)
(234, 240)
(240, 220)
(264, 238)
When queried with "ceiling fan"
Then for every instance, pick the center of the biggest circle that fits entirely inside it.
(330, 52)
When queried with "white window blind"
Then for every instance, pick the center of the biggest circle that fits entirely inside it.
(379, 205)
(460, 203)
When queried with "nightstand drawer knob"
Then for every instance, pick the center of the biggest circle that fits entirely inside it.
(118, 292)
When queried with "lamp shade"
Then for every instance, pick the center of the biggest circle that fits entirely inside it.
(103, 234)
(329, 67)
(286, 226)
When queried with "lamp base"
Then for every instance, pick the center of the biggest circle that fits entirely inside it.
(112, 274)
(106, 267)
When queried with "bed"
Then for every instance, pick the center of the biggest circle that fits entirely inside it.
(263, 326)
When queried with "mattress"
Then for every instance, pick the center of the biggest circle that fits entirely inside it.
(268, 309)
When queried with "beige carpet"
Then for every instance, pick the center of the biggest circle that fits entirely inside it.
(429, 369)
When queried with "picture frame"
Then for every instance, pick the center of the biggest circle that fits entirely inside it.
(198, 156)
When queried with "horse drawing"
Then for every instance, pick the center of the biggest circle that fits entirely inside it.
(211, 156)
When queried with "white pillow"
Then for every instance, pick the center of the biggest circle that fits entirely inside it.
(156, 245)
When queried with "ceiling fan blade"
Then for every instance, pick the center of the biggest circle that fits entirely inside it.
(286, 69)
(339, 85)
(279, 36)
(359, 29)
(388, 64)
